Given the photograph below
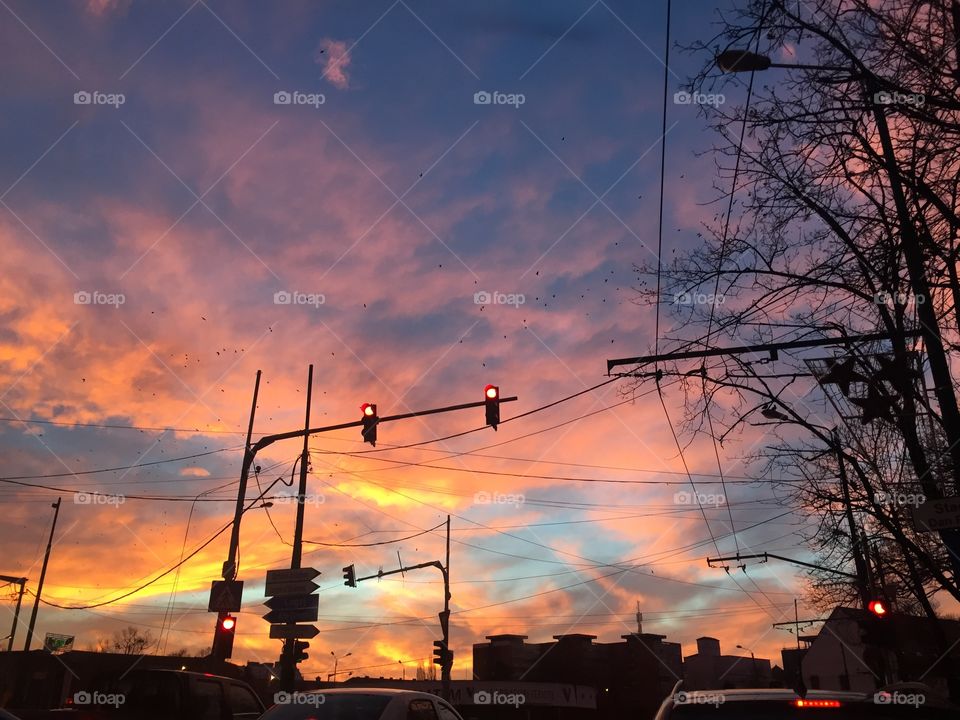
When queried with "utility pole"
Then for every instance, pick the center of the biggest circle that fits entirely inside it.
(229, 567)
(43, 574)
(446, 669)
(639, 620)
(863, 586)
(288, 662)
(22, 582)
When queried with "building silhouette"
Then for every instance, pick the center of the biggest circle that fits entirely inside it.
(708, 669)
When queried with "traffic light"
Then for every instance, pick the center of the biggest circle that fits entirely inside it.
(349, 576)
(442, 655)
(370, 420)
(300, 651)
(875, 630)
(491, 395)
(878, 608)
(223, 638)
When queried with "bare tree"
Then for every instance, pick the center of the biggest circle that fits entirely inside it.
(811, 240)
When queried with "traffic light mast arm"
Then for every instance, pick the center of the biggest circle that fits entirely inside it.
(434, 563)
(229, 567)
(767, 556)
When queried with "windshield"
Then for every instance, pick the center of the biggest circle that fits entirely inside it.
(331, 707)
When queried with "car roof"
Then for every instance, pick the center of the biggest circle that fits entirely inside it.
(371, 691)
(779, 694)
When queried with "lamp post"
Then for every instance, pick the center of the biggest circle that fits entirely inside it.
(336, 661)
(753, 664)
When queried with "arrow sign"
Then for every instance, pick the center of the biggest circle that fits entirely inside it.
(289, 632)
(298, 587)
(291, 616)
(294, 602)
(292, 575)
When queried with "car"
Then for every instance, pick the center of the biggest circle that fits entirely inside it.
(912, 701)
(158, 694)
(360, 704)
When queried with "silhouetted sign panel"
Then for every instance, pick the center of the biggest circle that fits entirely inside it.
(942, 514)
(225, 596)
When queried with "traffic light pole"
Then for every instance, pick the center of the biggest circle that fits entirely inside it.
(288, 660)
(446, 667)
(229, 571)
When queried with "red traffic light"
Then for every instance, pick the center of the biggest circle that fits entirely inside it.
(878, 608)
(369, 420)
(492, 392)
(228, 623)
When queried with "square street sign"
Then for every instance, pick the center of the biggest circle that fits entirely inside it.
(225, 595)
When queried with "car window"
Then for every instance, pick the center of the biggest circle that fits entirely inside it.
(208, 700)
(146, 695)
(421, 709)
(446, 712)
(320, 706)
(243, 703)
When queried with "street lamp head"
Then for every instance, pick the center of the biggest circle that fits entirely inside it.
(733, 61)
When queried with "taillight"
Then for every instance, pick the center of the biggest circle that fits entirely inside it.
(801, 703)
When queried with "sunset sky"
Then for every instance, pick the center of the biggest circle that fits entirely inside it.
(431, 245)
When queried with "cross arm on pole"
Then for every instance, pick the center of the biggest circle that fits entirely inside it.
(767, 556)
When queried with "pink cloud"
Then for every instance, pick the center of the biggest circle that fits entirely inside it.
(335, 57)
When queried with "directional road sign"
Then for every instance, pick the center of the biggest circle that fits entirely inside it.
(294, 602)
(225, 595)
(291, 616)
(297, 587)
(298, 632)
(942, 514)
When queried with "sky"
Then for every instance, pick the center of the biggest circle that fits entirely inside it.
(418, 199)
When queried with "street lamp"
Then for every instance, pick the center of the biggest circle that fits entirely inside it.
(753, 663)
(336, 661)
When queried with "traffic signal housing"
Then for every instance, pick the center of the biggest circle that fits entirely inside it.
(300, 651)
(442, 655)
(491, 397)
(223, 638)
(350, 576)
(370, 420)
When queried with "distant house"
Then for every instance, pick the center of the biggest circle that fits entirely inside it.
(846, 655)
(708, 669)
